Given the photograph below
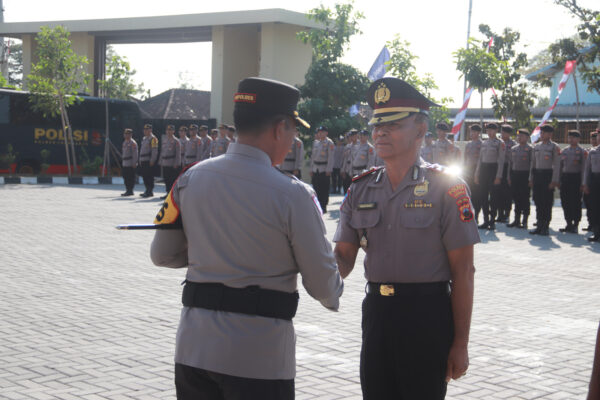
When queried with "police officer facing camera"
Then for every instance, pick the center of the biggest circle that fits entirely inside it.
(415, 223)
(254, 231)
(130, 159)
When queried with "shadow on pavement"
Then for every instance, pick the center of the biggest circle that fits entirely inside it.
(544, 242)
(488, 236)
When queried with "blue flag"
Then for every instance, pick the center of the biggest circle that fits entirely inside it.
(377, 71)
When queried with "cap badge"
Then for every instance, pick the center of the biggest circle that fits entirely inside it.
(382, 94)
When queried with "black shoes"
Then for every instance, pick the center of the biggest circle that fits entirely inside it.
(484, 225)
(127, 194)
(515, 223)
(147, 194)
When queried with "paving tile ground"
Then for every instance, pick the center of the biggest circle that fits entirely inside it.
(84, 314)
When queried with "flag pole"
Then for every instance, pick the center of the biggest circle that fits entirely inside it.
(464, 127)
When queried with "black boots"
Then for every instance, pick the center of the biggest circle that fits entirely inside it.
(541, 229)
(516, 222)
(572, 227)
(524, 221)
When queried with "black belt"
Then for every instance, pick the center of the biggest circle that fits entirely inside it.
(360, 167)
(290, 159)
(320, 162)
(408, 289)
(127, 158)
(251, 300)
(167, 158)
(144, 155)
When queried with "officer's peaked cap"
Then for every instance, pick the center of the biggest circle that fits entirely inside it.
(393, 99)
(574, 133)
(523, 132)
(547, 128)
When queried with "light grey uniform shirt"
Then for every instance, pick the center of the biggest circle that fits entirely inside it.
(338, 157)
(130, 153)
(472, 150)
(408, 230)
(204, 148)
(520, 157)
(508, 145)
(191, 150)
(546, 156)
(443, 152)
(322, 156)
(363, 158)
(492, 151)
(170, 152)
(149, 149)
(572, 160)
(183, 142)
(592, 165)
(347, 158)
(427, 153)
(256, 226)
(294, 157)
(219, 146)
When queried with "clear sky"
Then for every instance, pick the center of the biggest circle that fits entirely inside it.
(435, 29)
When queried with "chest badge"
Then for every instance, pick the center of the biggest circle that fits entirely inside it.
(422, 188)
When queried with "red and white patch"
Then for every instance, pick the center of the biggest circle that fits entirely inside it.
(465, 211)
(458, 191)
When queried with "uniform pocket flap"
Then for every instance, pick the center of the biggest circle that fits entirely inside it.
(365, 218)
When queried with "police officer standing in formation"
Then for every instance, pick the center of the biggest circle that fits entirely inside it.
(170, 158)
(456, 157)
(148, 158)
(591, 187)
(214, 134)
(427, 149)
(572, 161)
(220, 144)
(488, 174)
(543, 178)
(321, 166)
(231, 133)
(292, 164)
(338, 158)
(472, 150)
(519, 158)
(349, 149)
(416, 225)
(363, 156)
(130, 159)
(243, 346)
(443, 149)
(506, 132)
(190, 155)
(183, 140)
(204, 145)
(589, 207)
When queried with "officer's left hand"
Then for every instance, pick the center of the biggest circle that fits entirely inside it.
(552, 185)
(497, 181)
(328, 173)
(458, 362)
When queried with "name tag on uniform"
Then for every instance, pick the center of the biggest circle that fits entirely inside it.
(367, 206)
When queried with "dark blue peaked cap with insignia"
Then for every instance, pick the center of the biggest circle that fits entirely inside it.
(266, 97)
(393, 99)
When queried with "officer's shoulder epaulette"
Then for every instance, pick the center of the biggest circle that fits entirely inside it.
(292, 176)
(366, 173)
(436, 168)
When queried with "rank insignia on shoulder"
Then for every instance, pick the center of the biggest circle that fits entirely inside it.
(369, 172)
(169, 212)
(457, 191)
(367, 206)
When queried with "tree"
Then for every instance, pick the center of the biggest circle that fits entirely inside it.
(481, 69)
(330, 86)
(401, 65)
(119, 82)
(56, 79)
(589, 30)
(15, 65)
(516, 95)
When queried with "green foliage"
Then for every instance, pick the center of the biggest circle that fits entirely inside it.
(481, 69)
(3, 82)
(44, 154)
(340, 24)
(90, 167)
(7, 158)
(119, 78)
(330, 86)
(15, 65)
(59, 75)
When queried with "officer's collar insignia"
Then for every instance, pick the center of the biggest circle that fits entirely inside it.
(382, 94)
(418, 203)
(367, 206)
(422, 188)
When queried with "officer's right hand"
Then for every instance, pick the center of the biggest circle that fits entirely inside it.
(585, 189)
(497, 181)
(458, 362)
(530, 184)
(152, 164)
(476, 180)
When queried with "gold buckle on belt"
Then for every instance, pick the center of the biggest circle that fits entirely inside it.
(386, 290)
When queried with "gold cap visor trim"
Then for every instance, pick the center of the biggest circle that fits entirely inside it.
(396, 110)
(394, 117)
(301, 121)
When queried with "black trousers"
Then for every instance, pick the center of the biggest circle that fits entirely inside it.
(595, 201)
(504, 192)
(475, 191)
(147, 176)
(490, 193)
(336, 180)
(170, 174)
(346, 182)
(128, 178)
(199, 384)
(543, 197)
(589, 213)
(405, 345)
(570, 197)
(320, 182)
(519, 187)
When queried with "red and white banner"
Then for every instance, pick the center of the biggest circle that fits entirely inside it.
(460, 117)
(569, 69)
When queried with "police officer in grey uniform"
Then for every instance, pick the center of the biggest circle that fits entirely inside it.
(148, 158)
(506, 200)
(572, 161)
(443, 149)
(130, 158)
(204, 145)
(183, 140)
(488, 174)
(190, 155)
(519, 159)
(321, 166)
(364, 154)
(472, 150)
(346, 171)
(220, 144)
(427, 149)
(591, 187)
(416, 225)
(544, 176)
(589, 207)
(292, 163)
(170, 158)
(242, 346)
